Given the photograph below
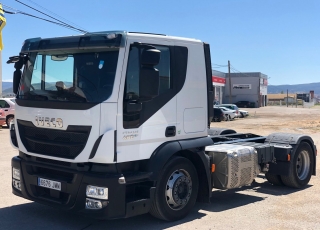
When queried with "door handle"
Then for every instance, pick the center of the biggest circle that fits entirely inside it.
(170, 131)
(134, 106)
(6, 110)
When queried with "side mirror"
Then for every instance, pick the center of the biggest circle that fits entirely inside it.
(149, 76)
(16, 80)
(150, 57)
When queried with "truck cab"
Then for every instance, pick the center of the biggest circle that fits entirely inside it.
(116, 124)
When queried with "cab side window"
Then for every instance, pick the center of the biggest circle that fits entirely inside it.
(133, 71)
(133, 119)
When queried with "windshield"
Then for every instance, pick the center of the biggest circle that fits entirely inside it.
(73, 77)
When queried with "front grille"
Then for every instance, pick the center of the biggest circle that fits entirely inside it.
(53, 174)
(58, 143)
(60, 163)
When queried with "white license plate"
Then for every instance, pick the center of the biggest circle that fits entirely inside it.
(49, 184)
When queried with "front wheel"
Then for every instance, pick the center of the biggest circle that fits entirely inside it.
(176, 190)
(8, 120)
(301, 167)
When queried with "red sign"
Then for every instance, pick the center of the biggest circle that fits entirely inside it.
(219, 79)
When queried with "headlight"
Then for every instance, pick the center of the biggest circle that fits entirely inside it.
(16, 173)
(97, 192)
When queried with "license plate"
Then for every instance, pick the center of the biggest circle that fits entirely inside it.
(49, 184)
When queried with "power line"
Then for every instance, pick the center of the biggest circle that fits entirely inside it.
(61, 22)
(237, 71)
(30, 15)
(219, 65)
(55, 14)
(9, 7)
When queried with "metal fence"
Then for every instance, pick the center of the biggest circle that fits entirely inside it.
(298, 103)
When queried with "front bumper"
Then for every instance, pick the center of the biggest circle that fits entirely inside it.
(74, 181)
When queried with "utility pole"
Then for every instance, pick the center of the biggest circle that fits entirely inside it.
(230, 95)
(287, 98)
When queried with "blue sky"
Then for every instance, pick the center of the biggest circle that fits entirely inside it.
(278, 38)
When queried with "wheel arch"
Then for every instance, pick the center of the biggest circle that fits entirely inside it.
(193, 150)
(220, 131)
(199, 160)
(294, 140)
(9, 115)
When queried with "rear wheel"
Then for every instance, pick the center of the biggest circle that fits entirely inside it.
(273, 179)
(8, 120)
(176, 190)
(301, 167)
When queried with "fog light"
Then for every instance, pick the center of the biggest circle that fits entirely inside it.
(97, 192)
(93, 204)
(16, 184)
(16, 173)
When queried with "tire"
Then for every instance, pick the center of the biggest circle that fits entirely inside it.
(241, 115)
(274, 179)
(229, 118)
(301, 167)
(9, 119)
(176, 190)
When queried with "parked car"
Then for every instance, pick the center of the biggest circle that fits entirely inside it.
(218, 115)
(2, 118)
(244, 104)
(230, 113)
(243, 113)
(7, 106)
(230, 106)
(216, 103)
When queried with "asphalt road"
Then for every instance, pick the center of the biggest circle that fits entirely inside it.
(259, 206)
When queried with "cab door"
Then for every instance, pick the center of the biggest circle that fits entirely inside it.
(143, 125)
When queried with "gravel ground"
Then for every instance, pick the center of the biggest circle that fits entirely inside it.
(259, 206)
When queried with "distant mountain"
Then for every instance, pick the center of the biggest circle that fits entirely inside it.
(299, 88)
(6, 85)
(6, 91)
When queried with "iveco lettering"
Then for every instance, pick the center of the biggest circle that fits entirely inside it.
(49, 122)
(117, 124)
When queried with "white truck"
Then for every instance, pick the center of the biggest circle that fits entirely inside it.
(117, 124)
